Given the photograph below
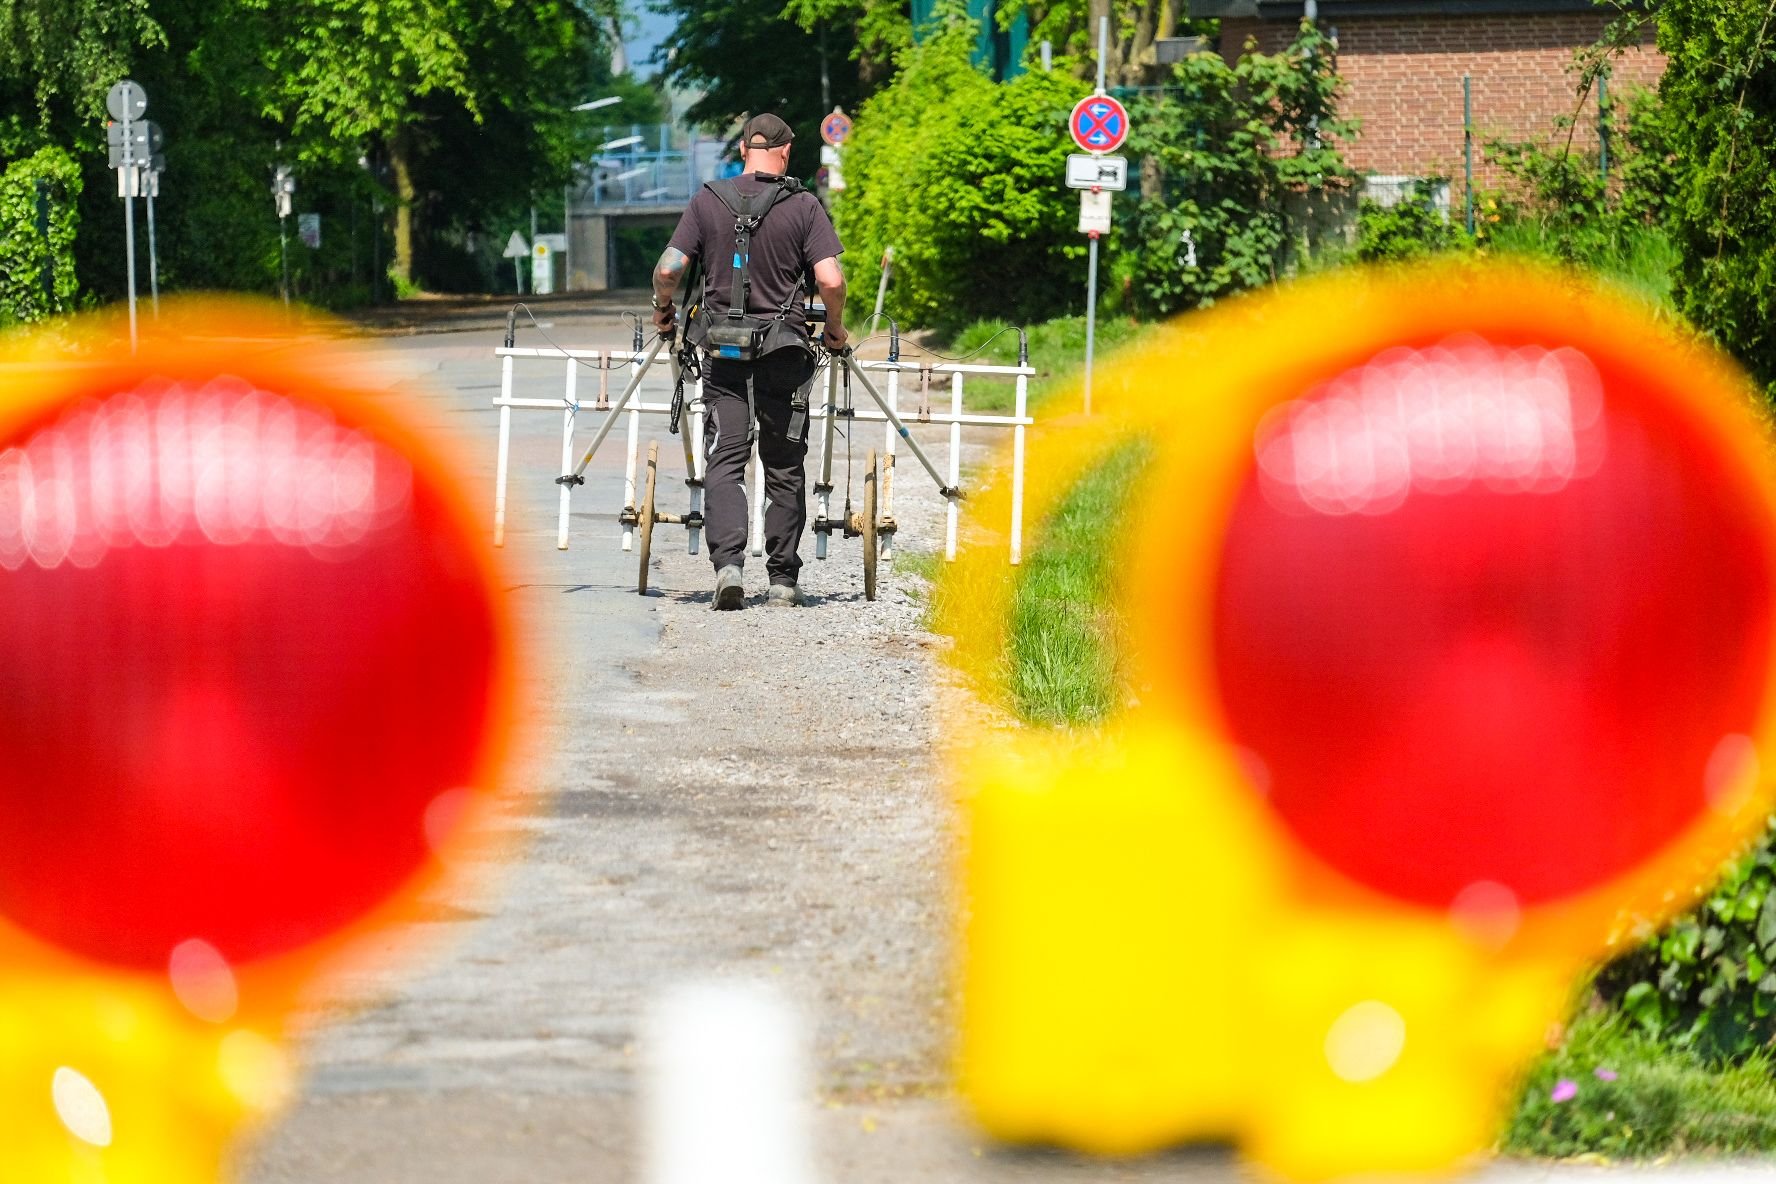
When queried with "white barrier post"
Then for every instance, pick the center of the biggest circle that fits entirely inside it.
(955, 463)
(890, 435)
(758, 503)
(701, 460)
(571, 396)
(1017, 472)
(634, 453)
(505, 445)
(885, 483)
(726, 1088)
(823, 490)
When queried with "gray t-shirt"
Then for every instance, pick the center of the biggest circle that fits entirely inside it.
(793, 237)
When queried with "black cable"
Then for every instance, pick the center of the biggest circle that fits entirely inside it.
(535, 324)
(927, 350)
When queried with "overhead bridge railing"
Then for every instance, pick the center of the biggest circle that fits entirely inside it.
(903, 395)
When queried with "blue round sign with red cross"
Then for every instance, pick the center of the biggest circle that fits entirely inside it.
(1099, 124)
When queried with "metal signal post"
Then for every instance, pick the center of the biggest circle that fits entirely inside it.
(283, 185)
(130, 152)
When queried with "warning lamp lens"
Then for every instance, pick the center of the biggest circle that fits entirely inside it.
(1487, 612)
(245, 649)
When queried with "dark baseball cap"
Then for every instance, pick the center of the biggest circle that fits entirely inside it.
(765, 131)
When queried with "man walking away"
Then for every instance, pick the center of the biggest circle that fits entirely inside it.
(759, 236)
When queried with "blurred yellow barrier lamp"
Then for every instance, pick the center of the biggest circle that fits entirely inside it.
(1446, 616)
(255, 685)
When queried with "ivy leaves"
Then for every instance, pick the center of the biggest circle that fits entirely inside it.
(1709, 981)
(29, 247)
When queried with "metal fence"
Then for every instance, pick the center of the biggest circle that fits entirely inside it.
(643, 165)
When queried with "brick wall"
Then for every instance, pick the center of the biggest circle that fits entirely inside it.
(1402, 78)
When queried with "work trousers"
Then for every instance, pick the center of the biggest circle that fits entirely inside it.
(727, 446)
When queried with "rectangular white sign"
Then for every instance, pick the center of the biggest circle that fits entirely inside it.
(1085, 171)
(1094, 211)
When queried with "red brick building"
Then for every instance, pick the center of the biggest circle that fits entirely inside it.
(1402, 63)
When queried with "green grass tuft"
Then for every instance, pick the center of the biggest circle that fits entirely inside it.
(1057, 354)
(1663, 1101)
(1061, 650)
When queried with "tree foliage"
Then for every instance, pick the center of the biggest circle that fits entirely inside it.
(959, 175)
(1719, 91)
(37, 224)
(1135, 28)
(747, 56)
(433, 119)
(1238, 163)
(60, 56)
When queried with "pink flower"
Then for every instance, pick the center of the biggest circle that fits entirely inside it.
(1605, 1074)
(1565, 1090)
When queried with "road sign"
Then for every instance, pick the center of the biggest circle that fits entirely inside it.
(1098, 124)
(1094, 212)
(542, 268)
(127, 144)
(516, 247)
(283, 185)
(835, 128)
(126, 101)
(308, 230)
(1097, 172)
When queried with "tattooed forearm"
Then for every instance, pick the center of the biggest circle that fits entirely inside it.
(667, 272)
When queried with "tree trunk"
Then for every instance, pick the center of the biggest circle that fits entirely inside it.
(1132, 58)
(401, 166)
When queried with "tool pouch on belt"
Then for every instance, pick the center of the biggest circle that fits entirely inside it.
(738, 339)
(737, 335)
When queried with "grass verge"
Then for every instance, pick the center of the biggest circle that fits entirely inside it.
(1061, 653)
(1613, 1090)
(1057, 354)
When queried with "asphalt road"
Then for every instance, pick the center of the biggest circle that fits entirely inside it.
(748, 795)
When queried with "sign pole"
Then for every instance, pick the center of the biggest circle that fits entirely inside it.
(127, 104)
(1091, 314)
(129, 237)
(153, 256)
(1091, 267)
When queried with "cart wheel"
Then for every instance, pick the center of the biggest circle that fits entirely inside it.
(869, 528)
(645, 520)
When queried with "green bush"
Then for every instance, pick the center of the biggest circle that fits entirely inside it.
(960, 175)
(1708, 983)
(38, 220)
(1411, 227)
(1235, 159)
(1720, 134)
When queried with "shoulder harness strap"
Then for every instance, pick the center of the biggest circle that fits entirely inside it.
(749, 210)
